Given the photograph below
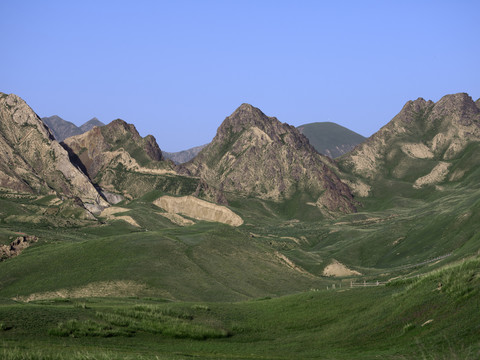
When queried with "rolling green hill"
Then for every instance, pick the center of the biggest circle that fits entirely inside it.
(331, 139)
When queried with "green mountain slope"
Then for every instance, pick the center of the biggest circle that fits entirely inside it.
(331, 139)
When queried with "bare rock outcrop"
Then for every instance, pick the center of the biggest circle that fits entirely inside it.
(16, 246)
(337, 269)
(32, 161)
(198, 209)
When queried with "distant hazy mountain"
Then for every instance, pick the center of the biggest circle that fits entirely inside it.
(181, 157)
(63, 129)
(90, 124)
(331, 139)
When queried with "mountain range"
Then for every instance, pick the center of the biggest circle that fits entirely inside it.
(259, 239)
(327, 138)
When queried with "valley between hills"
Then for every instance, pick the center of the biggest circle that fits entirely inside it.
(258, 245)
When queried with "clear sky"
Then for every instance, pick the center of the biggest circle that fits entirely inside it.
(176, 69)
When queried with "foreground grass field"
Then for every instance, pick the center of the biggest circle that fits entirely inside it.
(107, 289)
(435, 316)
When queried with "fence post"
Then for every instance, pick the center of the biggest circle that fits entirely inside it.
(364, 283)
(351, 283)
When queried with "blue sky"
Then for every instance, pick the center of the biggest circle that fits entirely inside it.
(176, 69)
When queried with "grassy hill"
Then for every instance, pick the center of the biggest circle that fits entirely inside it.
(331, 139)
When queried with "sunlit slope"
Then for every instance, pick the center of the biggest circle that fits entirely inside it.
(201, 262)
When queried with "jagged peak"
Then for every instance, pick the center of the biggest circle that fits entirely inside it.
(246, 116)
(460, 108)
(246, 106)
(118, 122)
(119, 125)
(248, 113)
(456, 101)
(150, 143)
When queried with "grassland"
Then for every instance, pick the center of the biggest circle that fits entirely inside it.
(106, 289)
(408, 319)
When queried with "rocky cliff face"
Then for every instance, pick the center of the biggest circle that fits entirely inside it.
(118, 159)
(32, 161)
(256, 155)
(424, 139)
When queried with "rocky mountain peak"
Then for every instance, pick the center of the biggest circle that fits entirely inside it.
(412, 108)
(244, 116)
(253, 154)
(117, 158)
(118, 128)
(119, 131)
(248, 118)
(460, 108)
